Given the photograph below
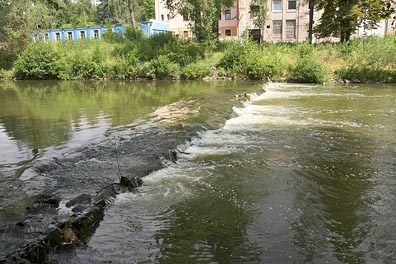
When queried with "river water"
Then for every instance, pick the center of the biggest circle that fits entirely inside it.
(300, 174)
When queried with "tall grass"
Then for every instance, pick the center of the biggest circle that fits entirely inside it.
(165, 57)
(371, 59)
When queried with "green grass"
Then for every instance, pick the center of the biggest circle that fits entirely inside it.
(164, 57)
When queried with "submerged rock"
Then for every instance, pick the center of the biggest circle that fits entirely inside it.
(81, 199)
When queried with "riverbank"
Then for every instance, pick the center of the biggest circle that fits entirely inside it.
(163, 57)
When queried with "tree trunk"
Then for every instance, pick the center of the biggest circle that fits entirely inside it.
(132, 16)
(311, 20)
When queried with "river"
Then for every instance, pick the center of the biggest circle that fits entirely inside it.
(300, 174)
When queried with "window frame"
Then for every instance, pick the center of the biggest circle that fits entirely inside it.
(277, 35)
(96, 34)
(227, 14)
(273, 5)
(288, 5)
(287, 32)
(70, 35)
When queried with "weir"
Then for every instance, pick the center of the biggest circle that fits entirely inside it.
(299, 173)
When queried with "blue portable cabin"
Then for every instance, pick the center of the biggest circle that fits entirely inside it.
(77, 33)
(154, 27)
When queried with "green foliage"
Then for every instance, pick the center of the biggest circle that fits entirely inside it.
(131, 34)
(250, 61)
(261, 68)
(195, 71)
(308, 70)
(111, 36)
(371, 59)
(38, 61)
(150, 48)
(258, 12)
(204, 13)
(148, 10)
(117, 11)
(365, 74)
(341, 18)
(162, 68)
(183, 51)
(305, 50)
(165, 57)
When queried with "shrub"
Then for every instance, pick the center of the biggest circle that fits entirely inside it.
(38, 61)
(112, 37)
(365, 74)
(131, 34)
(183, 51)
(122, 69)
(161, 68)
(77, 67)
(150, 48)
(307, 70)
(195, 71)
(305, 50)
(261, 68)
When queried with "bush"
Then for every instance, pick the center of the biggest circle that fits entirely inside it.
(77, 67)
(133, 35)
(305, 50)
(161, 68)
(195, 71)
(261, 68)
(150, 48)
(251, 61)
(38, 61)
(366, 74)
(307, 70)
(183, 51)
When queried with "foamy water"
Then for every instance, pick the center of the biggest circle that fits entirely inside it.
(294, 176)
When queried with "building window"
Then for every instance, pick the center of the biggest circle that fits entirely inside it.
(277, 29)
(46, 37)
(277, 5)
(227, 14)
(185, 34)
(168, 17)
(57, 36)
(185, 16)
(292, 5)
(255, 34)
(162, 17)
(69, 35)
(82, 34)
(228, 32)
(291, 29)
(96, 34)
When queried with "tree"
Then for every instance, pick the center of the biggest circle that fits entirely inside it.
(129, 11)
(258, 13)
(18, 18)
(148, 9)
(341, 18)
(311, 6)
(204, 13)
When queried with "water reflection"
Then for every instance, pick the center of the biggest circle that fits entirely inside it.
(42, 114)
(332, 196)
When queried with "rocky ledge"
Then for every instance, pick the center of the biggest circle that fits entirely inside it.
(76, 187)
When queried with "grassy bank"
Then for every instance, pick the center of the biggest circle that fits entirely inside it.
(164, 57)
